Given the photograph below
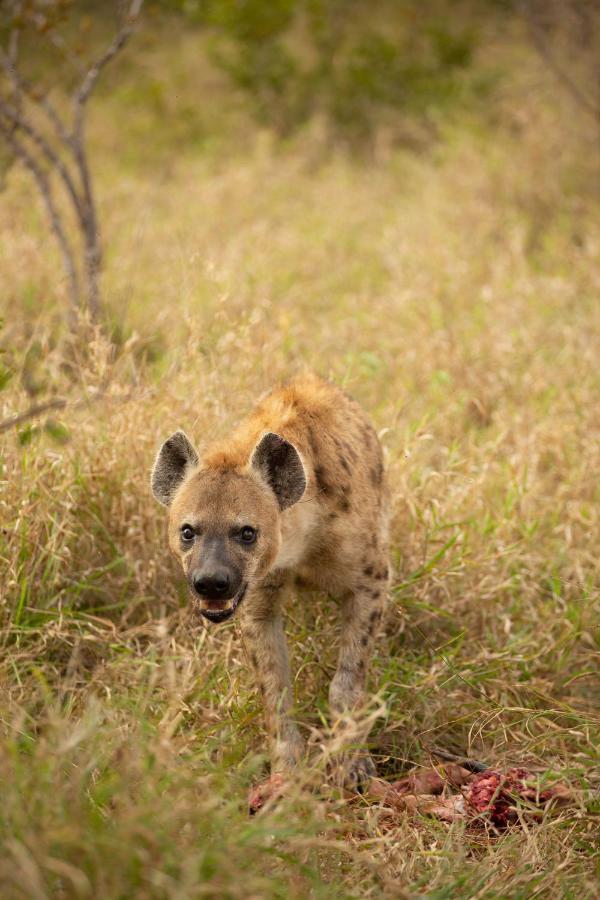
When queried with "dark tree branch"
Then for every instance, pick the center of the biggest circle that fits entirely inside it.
(544, 51)
(30, 144)
(21, 123)
(22, 86)
(11, 58)
(36, 410)
(89, 82)
(45, 188)
(56, 40)
(93, 256)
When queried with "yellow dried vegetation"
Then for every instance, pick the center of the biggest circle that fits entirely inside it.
(455, 293)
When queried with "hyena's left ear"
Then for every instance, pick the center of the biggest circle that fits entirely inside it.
(175, 459)
(280, 465)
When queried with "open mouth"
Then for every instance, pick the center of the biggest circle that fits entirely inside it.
(221, 615)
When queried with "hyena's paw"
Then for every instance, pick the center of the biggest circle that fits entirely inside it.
(288, 754)
(356, 772)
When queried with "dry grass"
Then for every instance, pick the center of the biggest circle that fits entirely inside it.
(456, 295)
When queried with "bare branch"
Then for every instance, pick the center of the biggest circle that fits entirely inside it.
(45, 188)
(20, 122)
(22, 86)
(89, 82)
(36, 410)
(13, 52)
(56, 40)
(544, 51)
(90, 227)
(43, 156)
(11, 63)
(82, 94)
(13, 46)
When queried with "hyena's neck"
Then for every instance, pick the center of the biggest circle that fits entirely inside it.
(298, 525)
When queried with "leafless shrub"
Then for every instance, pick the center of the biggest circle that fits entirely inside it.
(567, 37)
(53, 147)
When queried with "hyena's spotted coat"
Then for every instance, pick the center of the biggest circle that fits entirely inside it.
(295, 494)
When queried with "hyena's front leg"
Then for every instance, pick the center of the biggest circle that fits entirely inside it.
(361, 614)
(264, 639)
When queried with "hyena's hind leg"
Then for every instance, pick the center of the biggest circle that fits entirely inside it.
(362, 610)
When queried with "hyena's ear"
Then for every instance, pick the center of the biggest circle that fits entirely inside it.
(280, 465)
(175, 459)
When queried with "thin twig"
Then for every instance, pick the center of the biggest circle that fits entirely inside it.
(21, 133)
(53, 214)
(89, 82)
(544, 51)
(56, 40)
(472, 765)
(33, 411)
(93, 257)
(23, 86)
(11, 58)
(20, 122)
(39, 409)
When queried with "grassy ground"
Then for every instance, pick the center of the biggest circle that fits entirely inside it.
(454, 291)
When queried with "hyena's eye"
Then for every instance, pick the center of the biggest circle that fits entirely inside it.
(187, 533)
(248, 534)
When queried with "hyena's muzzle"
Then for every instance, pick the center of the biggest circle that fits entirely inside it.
(215, 580)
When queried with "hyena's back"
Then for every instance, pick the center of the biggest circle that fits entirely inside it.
(345, 495)
(338, 444)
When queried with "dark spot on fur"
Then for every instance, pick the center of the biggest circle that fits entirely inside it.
(301, 582)
(261, 688)
(375, 615)
(321, 479)
(254, 660)
(346, 667)
(350, 451)
(383, 574)
(368, 571)
(273, 583)
(361, 665)
(364, 640)
(344, 504)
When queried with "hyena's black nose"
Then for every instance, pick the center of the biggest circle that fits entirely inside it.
(212, 586)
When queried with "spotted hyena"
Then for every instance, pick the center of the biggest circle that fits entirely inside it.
(295, 494)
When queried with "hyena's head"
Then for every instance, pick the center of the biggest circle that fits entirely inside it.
(224, 522)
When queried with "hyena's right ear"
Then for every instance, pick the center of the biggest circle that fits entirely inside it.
(175, 460)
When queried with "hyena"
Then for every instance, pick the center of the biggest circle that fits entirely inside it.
(295, 495)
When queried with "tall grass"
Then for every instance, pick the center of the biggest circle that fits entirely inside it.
(455, 293)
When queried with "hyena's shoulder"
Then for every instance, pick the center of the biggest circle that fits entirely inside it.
(335, 437)
(337, 441)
